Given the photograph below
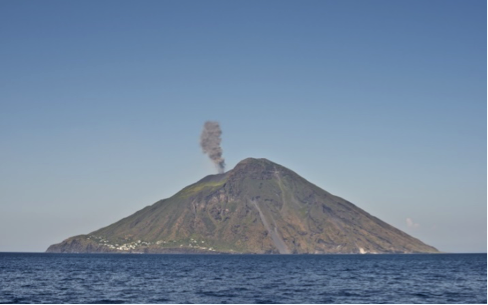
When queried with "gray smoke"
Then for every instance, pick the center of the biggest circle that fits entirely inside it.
(210, 143)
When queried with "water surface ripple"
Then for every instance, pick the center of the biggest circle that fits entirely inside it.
(111, 278)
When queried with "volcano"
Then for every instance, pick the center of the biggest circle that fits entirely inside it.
(258, 207)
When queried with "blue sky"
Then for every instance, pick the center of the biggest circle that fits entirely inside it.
(380, 102)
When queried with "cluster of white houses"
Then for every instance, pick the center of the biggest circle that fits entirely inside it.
(139, 243)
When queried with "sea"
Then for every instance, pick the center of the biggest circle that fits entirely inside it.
(144, 278)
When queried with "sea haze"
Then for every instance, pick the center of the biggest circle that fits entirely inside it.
(132, 278)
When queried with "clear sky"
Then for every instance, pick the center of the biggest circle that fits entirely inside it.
(382, 103)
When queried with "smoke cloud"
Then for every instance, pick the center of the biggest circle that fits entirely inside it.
(210, 143)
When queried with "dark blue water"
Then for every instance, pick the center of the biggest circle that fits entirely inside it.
(108, 278)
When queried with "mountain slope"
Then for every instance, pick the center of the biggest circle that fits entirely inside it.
(258, 207)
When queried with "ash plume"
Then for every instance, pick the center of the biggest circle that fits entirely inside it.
(210, 143)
